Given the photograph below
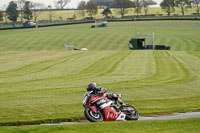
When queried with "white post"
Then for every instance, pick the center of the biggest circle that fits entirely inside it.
(153, 40)
(145, 37)
(138, 34)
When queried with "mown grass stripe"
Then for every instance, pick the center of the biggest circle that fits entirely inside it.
(179, 44)
(195, 44)
(168, 70)
(66, 77)
(116, 64)
(37, 67)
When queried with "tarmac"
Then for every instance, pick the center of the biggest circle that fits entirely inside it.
(172, 116)
(149, 117)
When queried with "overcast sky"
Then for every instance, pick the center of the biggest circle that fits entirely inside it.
(72, 4)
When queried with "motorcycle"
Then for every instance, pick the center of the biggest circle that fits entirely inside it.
(100, 108)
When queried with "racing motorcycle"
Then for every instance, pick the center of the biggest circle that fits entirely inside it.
(101, 108)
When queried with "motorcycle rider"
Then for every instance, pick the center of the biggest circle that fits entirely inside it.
(91, 87)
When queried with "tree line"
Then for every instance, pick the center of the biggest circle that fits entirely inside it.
(169, 5)
(123, 6)
(28, 10)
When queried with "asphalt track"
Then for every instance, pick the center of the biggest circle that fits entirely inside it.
(172, 116)
(150, 117)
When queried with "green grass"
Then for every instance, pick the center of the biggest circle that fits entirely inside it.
(41, 82)
(167, 126)
(180, 36)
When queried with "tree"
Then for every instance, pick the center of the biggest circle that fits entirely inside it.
(138, 6)
(196, 5)
(12, 12)
(91, 8)
(81, 8)
(74, 17)
(82, 5)
(36, 7)
(146, 3)
(27, 12)
(106, 12)
(1, 16)
(50, 13)
(62, 3)
(168, 6)
(183, 4)
(20, 5)
(122, 5)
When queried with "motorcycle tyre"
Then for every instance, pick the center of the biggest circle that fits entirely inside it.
(136, 117)
(90, 118)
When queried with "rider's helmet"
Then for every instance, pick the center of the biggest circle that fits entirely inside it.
(91, 86)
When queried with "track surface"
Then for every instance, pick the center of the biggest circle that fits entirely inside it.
(153, 117)
(172, 116)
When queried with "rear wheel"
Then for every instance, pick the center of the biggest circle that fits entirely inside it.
(130, 111)
(93, 116)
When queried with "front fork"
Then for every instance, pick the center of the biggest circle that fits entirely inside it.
(93, 108)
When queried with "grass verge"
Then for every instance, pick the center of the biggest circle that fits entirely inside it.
(158, 126)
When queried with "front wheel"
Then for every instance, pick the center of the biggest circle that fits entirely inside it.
(93, 116)
(130, 111)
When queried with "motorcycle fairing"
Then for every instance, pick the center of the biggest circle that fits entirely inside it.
(121, 117)
(96, 98)
(110, 113)
(93, 108)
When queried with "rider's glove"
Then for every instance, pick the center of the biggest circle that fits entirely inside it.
(121, 102)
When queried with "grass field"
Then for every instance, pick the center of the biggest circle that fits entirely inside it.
(181, 36)
(41, 82)
(168, 126)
